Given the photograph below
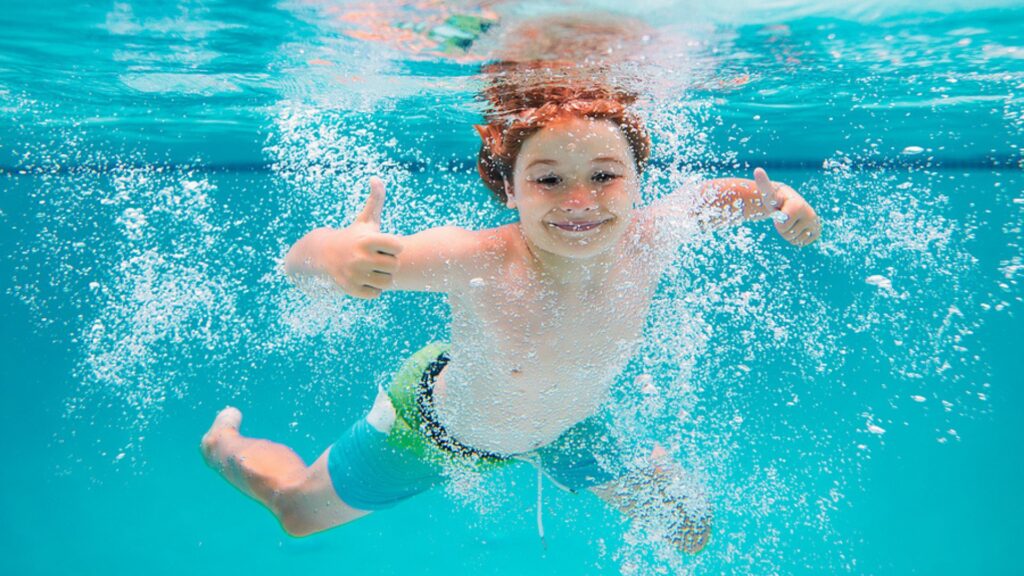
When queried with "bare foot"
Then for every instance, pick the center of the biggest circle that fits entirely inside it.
(224, 426)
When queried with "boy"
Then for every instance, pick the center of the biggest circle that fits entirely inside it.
(545, 314)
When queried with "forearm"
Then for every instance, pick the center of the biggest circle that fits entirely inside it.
(364, 262)
(713, 204)
(303, 258)
(734, 200)
(437, 259)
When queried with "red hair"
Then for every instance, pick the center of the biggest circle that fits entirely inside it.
(519, 110)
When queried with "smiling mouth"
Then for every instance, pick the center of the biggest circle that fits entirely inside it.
(578, 226)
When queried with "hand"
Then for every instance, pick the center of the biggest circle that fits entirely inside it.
(360, 259)
(795, 220)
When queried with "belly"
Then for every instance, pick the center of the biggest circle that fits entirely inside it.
(522, 374)
(515, 410)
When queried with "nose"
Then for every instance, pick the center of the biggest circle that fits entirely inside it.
(579, 199)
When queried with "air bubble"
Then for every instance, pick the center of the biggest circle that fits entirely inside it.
(879, 281)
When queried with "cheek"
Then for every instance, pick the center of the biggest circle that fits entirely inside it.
(623, 197)
(532, 201)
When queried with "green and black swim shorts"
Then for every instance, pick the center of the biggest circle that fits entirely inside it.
(371, 470)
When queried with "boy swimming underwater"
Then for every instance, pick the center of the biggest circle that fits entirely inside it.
(546, 312)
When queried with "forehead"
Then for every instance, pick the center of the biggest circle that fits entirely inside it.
(576, 137)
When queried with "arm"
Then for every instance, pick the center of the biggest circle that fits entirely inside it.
(438, 259)
(729, 201)
(735, 200)
(362, 261)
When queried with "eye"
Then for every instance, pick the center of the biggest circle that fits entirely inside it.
(549, 180)
(604, 176)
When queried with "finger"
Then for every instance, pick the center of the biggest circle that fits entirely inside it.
(787, 227)
(378, 280)
(799, 236)
(807, 236)
(812, 231)
(765, 187)
(816, 226)
(367, 292)
(382, 263)
(374, 203)
(385, 244)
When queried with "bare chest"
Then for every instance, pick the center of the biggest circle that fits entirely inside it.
(534, 332)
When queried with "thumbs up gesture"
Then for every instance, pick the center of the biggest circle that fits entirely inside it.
(360, 258)
(794, 218)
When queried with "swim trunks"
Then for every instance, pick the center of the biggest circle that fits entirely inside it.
(372, 470)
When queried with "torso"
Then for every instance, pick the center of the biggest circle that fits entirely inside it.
(532, 357)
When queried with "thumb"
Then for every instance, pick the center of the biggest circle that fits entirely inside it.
(374, 204)
(768, 193)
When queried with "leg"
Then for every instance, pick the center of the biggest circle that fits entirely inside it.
(302, 498)
(662, 498)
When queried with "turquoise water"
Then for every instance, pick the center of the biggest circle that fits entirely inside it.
(850, 408)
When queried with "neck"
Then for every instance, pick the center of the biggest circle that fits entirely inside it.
(567, 271)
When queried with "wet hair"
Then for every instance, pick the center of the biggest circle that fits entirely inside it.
(520, 107)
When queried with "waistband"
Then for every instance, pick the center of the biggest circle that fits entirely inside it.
(434, 430)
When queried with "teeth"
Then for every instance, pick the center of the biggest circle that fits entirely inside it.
(576, 227)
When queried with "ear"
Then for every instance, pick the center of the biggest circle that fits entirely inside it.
(509, 195)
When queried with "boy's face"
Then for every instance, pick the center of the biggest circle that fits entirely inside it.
(575, 185)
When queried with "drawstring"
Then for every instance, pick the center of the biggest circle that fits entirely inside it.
(535, 461)
(541, 473)
(540, 504)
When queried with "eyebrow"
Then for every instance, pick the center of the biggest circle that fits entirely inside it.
(542, 161)
(555, 163)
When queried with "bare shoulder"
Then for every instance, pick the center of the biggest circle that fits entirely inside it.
(493, 246)
(496, 250)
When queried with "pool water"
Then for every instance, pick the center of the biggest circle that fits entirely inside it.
(852, 407)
